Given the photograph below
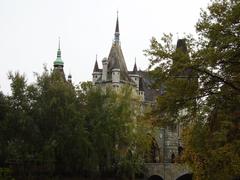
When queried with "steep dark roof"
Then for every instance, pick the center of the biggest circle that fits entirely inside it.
(181, 44)
(135, 67)
(145, 82)
(187, 72)
(116, 61)
(96, 69)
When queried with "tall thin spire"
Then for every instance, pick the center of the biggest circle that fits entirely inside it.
(117, 33)
(96, 69)
(58, 61)
(59, 50)
(135, 67)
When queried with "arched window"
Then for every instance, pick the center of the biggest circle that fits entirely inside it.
(180, 150)
(154, 152)
(155, 177)
(185, 177)
(173, 158)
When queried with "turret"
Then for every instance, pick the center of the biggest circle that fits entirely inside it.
(96, 72)
(105, 69)
(116, 75)
(116, 61)
(70, 78)
(58, 64)
(134, 75)
(135, 67)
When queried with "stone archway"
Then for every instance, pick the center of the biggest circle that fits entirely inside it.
(185, 177)
(155, 177)
(153, 155)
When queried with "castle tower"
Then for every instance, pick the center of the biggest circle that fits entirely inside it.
(114, 70)
(58, 64)
(97, 73)
(134, 75)
(116, 67)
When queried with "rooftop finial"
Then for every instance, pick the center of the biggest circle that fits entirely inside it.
(59, 50)
(59, 42)
(58, 61)
(117, 33)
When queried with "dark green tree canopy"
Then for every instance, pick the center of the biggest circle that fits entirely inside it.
(206, 98)
(52, 127)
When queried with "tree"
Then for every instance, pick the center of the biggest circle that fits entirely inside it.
(42, 127)
(211, 106)
(3, 113)
(57, 112)
(51, 127)
(116, 143)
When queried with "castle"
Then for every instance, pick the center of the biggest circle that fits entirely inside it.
(114, 73)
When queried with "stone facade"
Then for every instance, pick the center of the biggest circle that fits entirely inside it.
(114, 73)
(166, 143)
(167, 171)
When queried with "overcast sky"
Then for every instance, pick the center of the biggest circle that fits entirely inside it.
(30, 29)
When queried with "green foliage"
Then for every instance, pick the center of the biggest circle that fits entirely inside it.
(6, 174)
(51, 127)
(111, 123)
(202, 90)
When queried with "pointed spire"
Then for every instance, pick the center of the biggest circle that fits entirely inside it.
(96, 69)
(117, 33)
(135, 67)
(117, 25)
(59, 50)
(58, 61)
(59, 43)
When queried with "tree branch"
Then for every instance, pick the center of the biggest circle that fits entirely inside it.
(221, 79)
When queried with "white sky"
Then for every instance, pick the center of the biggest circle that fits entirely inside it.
(30, 29)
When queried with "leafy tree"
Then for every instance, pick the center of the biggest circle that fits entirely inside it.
(43, 126)
(18, 123)
(62, 137)
(51, 127)
(210, 104)
(114, 136)
(3, 113)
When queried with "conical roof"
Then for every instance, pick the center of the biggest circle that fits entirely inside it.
(116, 61)
(96, 68)
(116, 58)
(135, 67)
